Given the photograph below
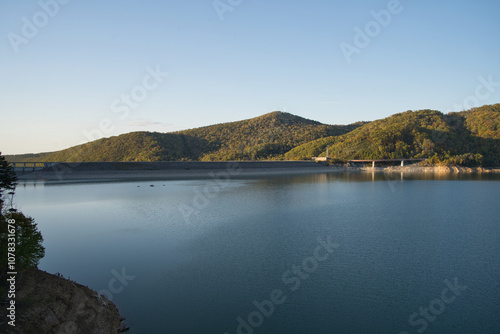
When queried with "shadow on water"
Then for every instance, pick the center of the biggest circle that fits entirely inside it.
(349, 176)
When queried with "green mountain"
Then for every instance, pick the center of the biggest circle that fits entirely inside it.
(464, 138)
(468, 138)
(266, 137)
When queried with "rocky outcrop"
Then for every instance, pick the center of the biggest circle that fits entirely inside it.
(47, 303)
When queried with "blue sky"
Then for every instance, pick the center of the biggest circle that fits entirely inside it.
(64, 82)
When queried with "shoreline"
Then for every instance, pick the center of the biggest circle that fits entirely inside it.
(48, 303)
(143, 171)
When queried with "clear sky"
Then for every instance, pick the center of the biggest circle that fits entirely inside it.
(74, 70)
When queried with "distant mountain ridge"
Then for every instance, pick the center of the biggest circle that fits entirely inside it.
(470, 137)
(268, 136)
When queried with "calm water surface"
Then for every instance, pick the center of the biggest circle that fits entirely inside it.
(206, 265)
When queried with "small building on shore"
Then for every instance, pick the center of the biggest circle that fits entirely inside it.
(326, 158)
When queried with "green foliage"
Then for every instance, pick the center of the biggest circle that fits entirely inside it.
(135, 146)
(266, 137)
(262, 138)
(451, 138)
(311, 149)
(29, 250)
(8, 178)
(469, 138)
(483, 122)
(28, 240)
(467, 160)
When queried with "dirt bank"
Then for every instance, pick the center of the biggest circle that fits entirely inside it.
(47, 303)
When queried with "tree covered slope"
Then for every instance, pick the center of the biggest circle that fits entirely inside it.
(266, 137)
(469, 137)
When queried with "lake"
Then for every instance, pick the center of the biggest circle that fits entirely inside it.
(323, 253)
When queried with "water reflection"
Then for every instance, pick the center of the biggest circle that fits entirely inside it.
(376, 176)
(334, 176)
(399, 240)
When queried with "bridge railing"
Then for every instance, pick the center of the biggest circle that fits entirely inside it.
(402, 160)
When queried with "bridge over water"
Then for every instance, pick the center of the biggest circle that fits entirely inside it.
(373, 161)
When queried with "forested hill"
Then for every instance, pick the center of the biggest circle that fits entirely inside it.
(266, 137)
(469, 138)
